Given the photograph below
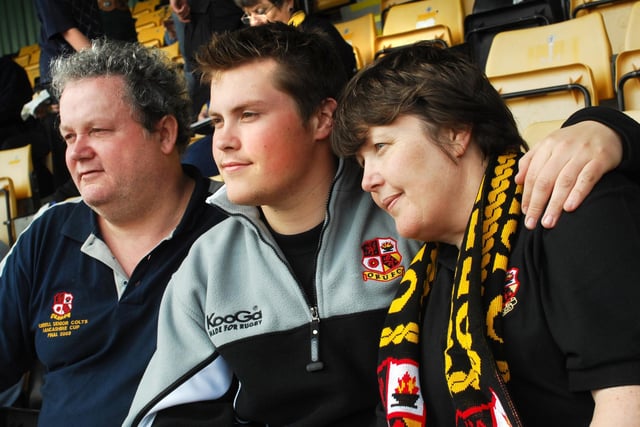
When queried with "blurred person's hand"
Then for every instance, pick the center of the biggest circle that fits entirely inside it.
(181, 8)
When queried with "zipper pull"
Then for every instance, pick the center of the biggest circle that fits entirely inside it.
(315, 364)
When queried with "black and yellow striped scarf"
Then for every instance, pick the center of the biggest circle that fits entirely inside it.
(475, 368)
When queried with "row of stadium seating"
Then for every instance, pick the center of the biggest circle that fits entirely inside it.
(546, 62)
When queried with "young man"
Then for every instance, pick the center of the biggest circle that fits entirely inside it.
(80, 290)
(291, 289)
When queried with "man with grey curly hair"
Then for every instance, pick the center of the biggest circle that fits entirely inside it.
(80, 290)
(153, 86)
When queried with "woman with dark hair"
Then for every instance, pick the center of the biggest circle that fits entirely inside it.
(494, 324)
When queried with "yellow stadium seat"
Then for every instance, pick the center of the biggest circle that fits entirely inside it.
(615, 14)
(29, 58)
(491, 17)
(358, 56)
(140, 9)
(438, 34)
(34, 57)
(628, 79)
(546, 94)
(467, 7)
(29, 49)
(22, 60)
(361, 34)
(634, 114)
(385, 5)
(548, 72)
(627, 64)
(144, 6)
(8, 211)
(426, 14)
(150, 19)
(173, 52)
(152, 36)
(632, 35)
(535, 132)
(33, 72)
(17, 164)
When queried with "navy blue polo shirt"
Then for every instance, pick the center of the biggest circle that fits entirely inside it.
(61, 305)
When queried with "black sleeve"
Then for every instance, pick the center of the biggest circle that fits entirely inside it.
(590, 291)
(218, 412)
(625, 126)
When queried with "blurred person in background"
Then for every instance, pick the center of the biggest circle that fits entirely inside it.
(201, 19)
(258, 12)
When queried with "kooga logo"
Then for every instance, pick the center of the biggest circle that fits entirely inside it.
(242, 319)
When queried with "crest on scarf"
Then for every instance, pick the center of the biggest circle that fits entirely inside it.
(381, 260)
(403, 398)
(493, 410)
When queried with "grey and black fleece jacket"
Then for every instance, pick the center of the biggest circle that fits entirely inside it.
(235, 308)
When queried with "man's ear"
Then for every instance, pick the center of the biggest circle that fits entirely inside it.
(167, 128)
(324, 124)
(460, 140)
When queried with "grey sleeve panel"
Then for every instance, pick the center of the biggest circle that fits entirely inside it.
(186, 366)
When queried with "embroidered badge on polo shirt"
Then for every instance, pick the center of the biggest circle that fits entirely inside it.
(61, 324)
(511, 288)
